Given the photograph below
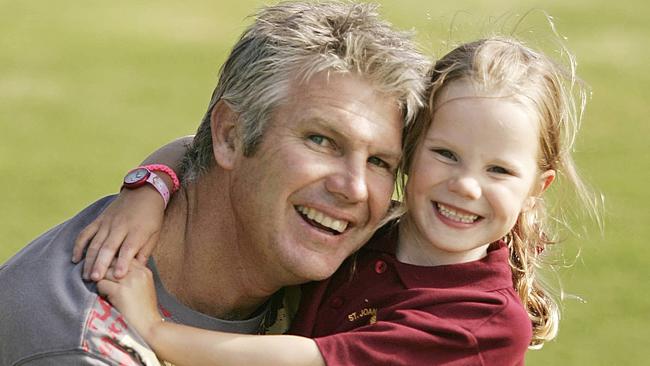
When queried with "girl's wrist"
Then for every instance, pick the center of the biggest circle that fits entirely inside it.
(157, 176)
(153, 332)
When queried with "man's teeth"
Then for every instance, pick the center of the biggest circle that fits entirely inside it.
(456, 216)
(321, 218)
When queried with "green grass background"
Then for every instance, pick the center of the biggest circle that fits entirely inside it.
(87, 89)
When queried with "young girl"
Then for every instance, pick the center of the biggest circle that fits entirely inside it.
(451, 281)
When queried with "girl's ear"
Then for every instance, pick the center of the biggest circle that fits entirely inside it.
(543, 182)
(225, 139)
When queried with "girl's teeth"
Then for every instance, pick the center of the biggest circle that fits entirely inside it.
(456, 216)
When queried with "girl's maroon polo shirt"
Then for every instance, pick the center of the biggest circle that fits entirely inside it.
(378, 311)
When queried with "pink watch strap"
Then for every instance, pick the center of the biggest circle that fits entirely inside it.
(167, 170)
(160, 186)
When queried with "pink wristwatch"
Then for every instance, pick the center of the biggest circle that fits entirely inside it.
(176, 184)
(141, 176)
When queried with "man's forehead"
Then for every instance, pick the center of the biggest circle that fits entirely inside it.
(335, 84)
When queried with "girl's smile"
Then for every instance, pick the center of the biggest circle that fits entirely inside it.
(454, 216)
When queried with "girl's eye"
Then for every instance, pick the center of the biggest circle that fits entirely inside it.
(499, 170)
(445, 154)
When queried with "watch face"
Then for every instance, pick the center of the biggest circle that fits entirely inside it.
(136, 176)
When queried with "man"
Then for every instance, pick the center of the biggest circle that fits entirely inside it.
(291, 170)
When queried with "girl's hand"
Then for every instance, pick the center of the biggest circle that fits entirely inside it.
(130, 224)
(134, 296)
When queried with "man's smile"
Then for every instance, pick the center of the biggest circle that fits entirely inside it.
(321, 220)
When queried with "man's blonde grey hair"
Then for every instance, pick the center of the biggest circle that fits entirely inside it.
(292, 41)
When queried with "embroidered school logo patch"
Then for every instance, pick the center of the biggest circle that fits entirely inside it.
(364, 313)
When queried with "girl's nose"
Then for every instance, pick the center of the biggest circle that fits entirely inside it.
(466, 187)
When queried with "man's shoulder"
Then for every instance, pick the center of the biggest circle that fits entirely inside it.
(43, 267)
(47, 312)
(61, 236)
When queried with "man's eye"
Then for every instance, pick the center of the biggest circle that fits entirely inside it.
(319, 140)
(445, 154)
(499, 170)
(378, 162)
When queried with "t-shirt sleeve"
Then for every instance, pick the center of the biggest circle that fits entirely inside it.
(108, 336)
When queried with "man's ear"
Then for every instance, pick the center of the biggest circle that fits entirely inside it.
(225, 138)
(543, 182)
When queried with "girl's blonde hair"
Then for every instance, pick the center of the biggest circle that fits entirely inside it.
(554, 94)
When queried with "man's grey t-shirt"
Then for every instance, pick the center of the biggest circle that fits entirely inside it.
(50, 316)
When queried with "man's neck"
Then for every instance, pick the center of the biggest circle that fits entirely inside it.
(199, 258)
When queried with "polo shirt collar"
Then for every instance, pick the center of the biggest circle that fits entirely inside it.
(489, 273)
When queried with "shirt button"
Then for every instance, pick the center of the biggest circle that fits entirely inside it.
(336, 302)
(380, 266)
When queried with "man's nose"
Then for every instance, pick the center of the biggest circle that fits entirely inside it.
(465, 186)
(349, 182)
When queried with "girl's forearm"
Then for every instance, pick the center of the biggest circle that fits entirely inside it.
(187, 346)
